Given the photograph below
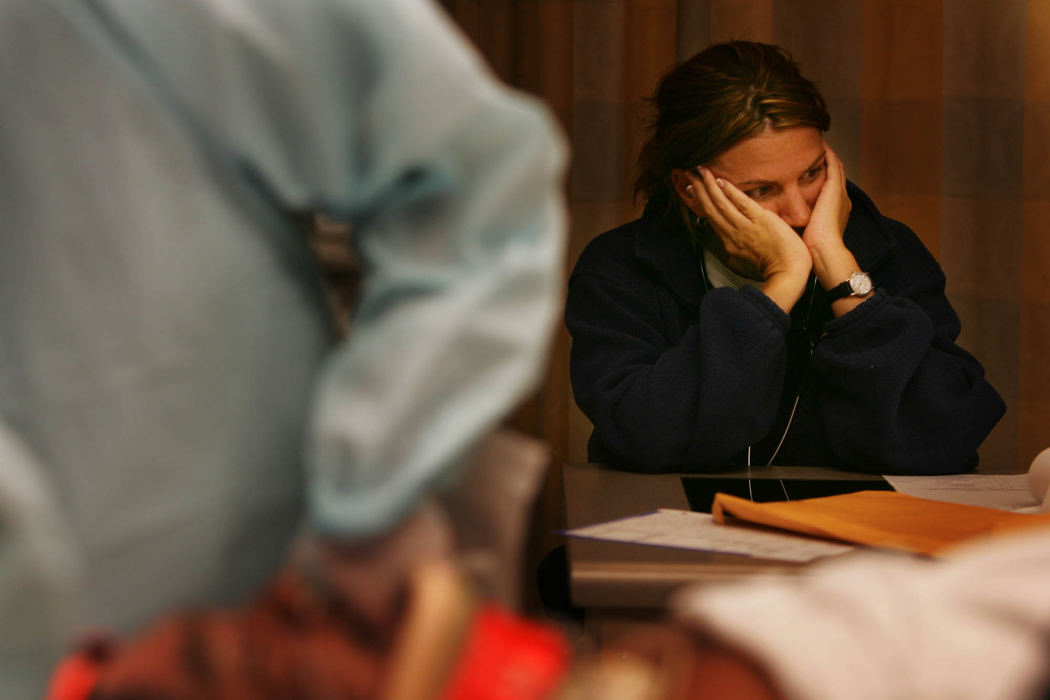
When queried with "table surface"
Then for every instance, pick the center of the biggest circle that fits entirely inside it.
(631, 576)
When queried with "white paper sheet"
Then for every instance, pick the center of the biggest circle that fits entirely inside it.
(684, 529)
(1001, 491)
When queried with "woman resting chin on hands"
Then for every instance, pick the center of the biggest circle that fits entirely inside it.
(762, 309)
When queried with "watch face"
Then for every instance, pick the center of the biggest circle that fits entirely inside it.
(860, 283)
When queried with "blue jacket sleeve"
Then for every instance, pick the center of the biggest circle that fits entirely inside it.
(660, 400)
(896, 393)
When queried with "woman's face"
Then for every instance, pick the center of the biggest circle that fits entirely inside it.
(781, 169)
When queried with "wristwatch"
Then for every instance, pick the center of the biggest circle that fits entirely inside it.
(858, 284)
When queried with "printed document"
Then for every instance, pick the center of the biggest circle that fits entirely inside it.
(1001, 491)
(684, 529)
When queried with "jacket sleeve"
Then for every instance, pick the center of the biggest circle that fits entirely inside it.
(896, 393)
(660, 402)
(379, 114)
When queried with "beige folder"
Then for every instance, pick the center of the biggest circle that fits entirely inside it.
(879, 519)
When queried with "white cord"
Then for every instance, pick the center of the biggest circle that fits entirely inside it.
(782, 437)
(790, 418)
(749, 491)
(794, 406)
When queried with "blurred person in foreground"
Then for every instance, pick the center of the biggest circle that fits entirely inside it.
(175, 402)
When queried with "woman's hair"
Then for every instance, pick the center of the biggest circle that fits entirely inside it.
(717, 98)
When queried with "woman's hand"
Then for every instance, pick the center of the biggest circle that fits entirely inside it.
(756, 242)
(828, 220)
(832, 261)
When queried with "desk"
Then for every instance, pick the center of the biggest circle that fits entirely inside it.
(627, 578)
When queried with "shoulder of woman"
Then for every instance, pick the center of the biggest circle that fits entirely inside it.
(874, 236)
(609, 251)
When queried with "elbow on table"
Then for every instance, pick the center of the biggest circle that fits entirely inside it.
(650, 454)
(635, 453)
(935, 460)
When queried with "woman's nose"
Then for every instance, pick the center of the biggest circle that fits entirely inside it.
(794, 209)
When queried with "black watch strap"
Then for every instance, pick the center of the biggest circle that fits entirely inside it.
(839, 291)
(858, 284)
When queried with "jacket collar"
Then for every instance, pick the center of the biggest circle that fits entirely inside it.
(867, 235)
(663, 244)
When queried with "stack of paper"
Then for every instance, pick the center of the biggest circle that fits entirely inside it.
(682, 529)
(1000, 491)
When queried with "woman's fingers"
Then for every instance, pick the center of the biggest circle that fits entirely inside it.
(727, 206)
(836, 173)
(746, 209)
(832, 209)
(837, 170)
(702, 193)
(835, 167)
(756, 243)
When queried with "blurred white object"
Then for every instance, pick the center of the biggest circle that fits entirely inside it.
(490, 510)
(479, 526)
(1039, 479)
(38, 576)
(888, 626)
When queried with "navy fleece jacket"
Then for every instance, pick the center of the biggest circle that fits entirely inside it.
(676, 377)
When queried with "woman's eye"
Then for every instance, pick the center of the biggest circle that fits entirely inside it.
(813, 173)
(759, 192)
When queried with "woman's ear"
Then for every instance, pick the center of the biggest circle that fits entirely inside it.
(685, 186)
